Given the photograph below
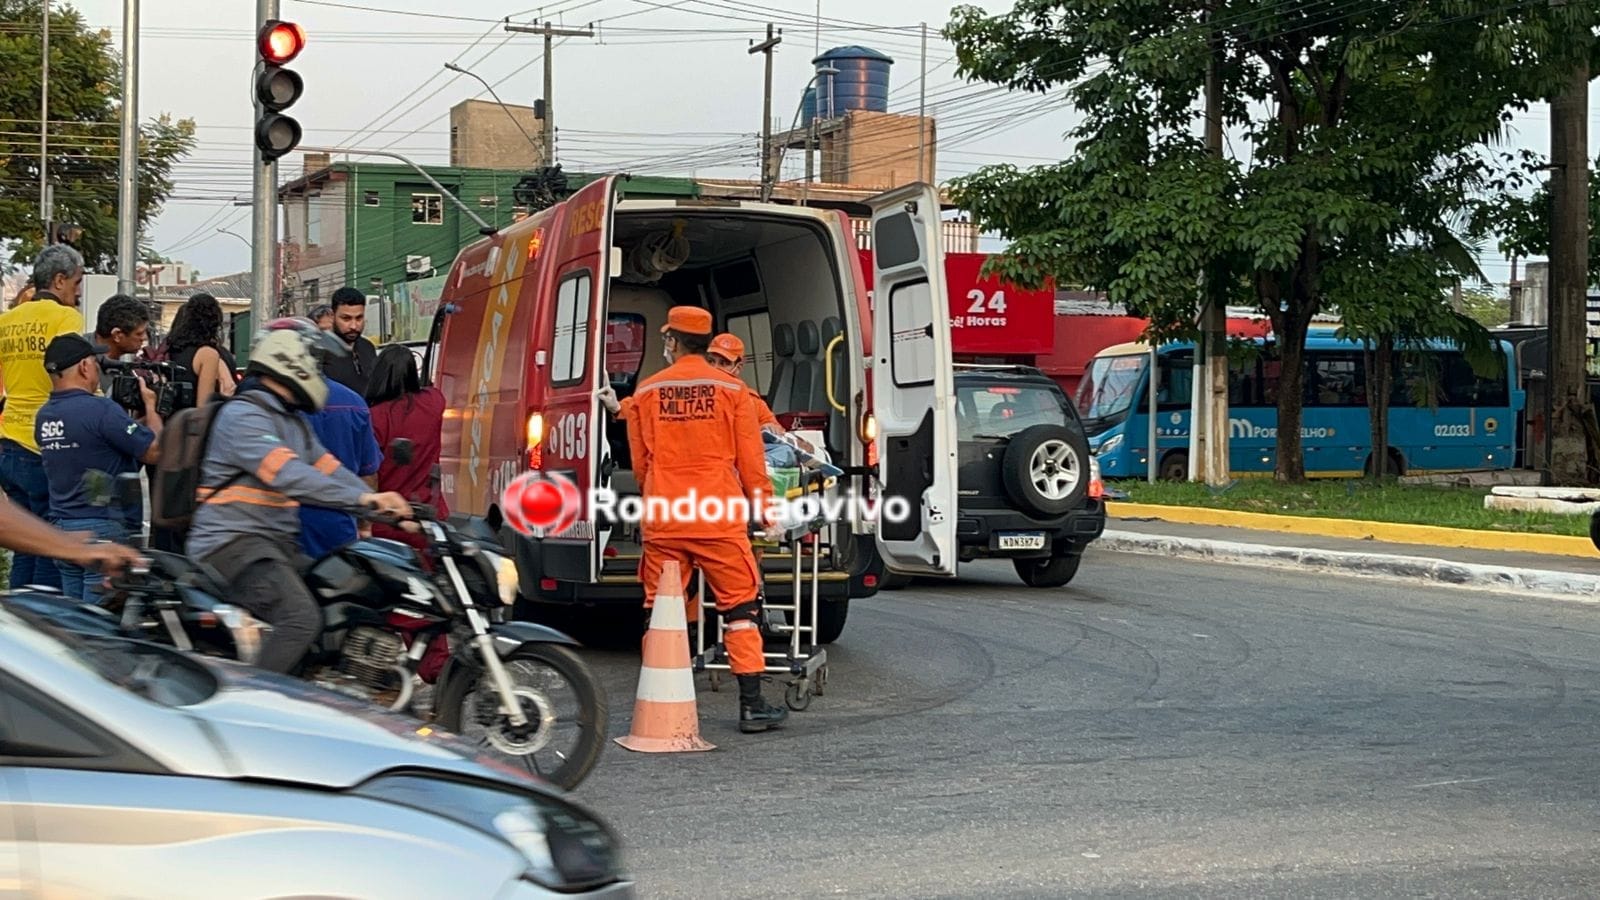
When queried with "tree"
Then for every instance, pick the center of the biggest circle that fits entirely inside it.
(85, 87)
(1486, 307)
(1362, 124)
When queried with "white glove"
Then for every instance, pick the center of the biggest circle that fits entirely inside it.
(608, 399)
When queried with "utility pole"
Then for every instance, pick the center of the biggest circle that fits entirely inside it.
(549, 31)
(128, 169)
(1208, 419)
(46, 202)
(1569, 274)
(922, 110)
(767, 175)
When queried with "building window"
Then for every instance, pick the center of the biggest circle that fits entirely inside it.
(427, 209)
(313, 220)
(370, 198)
(313, 289)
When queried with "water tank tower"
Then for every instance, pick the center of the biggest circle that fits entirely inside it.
(862, 83)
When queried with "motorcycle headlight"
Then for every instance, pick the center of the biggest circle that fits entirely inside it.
(505, 576)
(566, 848)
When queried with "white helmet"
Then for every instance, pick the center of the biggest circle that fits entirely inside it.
(290, 352)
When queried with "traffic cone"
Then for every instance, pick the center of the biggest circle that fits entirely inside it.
(666, 718)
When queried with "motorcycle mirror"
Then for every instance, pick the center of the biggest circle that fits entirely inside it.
(402, 451)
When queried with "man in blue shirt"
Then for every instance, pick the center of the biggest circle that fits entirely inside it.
(344, 426)
(85, 443)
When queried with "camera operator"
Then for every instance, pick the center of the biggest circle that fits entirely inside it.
(87, 441)
(121, 329)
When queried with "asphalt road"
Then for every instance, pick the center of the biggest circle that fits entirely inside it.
(1158, 729)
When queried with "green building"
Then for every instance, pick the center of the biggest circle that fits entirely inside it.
(378, 226)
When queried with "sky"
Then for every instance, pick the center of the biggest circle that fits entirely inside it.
(664, 87)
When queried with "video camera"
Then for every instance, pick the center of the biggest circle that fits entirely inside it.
(172, 391)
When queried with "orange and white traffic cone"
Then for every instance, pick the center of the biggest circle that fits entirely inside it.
(666, 718)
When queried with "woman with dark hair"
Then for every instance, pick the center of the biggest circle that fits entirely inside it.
(196, 344)
(403, 409)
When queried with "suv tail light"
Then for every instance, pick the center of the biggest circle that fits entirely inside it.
(1097, 487)
(536, 440)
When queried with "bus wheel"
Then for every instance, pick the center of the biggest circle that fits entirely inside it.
(1174, 466)
(1395, 468)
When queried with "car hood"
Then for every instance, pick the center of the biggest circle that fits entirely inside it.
(277, 728)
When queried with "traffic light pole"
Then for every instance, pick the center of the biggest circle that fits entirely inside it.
(127, 176)
(549, 31)
(264, 210)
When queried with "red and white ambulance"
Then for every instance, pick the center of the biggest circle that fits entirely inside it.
(537, 318)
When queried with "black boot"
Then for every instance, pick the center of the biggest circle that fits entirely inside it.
(754, 713)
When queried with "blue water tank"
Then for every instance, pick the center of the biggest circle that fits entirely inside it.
(808, 106)
(862, 83)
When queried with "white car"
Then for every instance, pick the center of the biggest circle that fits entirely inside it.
(131, 770)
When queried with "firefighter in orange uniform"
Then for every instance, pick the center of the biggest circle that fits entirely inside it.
(694, 436)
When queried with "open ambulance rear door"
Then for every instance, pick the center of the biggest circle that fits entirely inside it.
(570, 438)
(913, 383)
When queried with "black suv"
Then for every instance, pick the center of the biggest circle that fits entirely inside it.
(1025, 474)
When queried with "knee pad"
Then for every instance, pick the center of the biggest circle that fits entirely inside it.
(745, 615)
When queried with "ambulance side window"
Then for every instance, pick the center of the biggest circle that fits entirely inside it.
(570, 345)
(755, 329)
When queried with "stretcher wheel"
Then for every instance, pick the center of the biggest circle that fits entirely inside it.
(716, 680)
(798, 696)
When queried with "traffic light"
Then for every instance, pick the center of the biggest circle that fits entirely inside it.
(277, 88)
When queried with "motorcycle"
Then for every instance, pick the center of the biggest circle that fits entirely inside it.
(392, 619)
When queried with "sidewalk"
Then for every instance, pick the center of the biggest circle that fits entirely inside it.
(1567, 577)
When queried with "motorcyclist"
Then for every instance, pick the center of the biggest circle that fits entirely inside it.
(261, 462)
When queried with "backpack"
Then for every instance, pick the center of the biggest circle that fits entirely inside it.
(184, 440)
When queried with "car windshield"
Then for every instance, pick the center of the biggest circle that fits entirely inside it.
(158, 674)
(995, 411)
(1108, 385)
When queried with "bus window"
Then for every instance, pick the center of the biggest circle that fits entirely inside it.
(1106, 392)
(1177, 380)
(1335, 379)
(1244, 383)
(1462, 386)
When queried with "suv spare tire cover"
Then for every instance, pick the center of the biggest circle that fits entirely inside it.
(1060, 449)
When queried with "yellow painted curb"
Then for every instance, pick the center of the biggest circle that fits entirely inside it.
(1430, 535)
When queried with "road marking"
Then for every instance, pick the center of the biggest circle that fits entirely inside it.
(1455, 781)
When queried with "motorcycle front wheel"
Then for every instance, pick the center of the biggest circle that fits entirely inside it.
(564, 705)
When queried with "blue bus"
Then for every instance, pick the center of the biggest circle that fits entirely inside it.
(1464, 423)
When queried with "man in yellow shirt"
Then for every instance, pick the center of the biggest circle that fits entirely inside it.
(25, 331)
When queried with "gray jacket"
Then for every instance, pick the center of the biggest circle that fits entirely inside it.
(260, 465)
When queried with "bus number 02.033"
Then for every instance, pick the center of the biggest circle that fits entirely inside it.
(570, 437)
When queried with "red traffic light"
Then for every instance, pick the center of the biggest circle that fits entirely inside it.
(280, 42)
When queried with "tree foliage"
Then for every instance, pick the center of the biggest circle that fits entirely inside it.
(1360, 134)
(1516, 214)
(85, 106)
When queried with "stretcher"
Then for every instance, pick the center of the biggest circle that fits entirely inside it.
(801, 659)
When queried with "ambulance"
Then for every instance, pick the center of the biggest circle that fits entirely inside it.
(535, 319)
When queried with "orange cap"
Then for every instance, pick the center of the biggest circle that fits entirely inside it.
(728, 347)
(688, 320)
